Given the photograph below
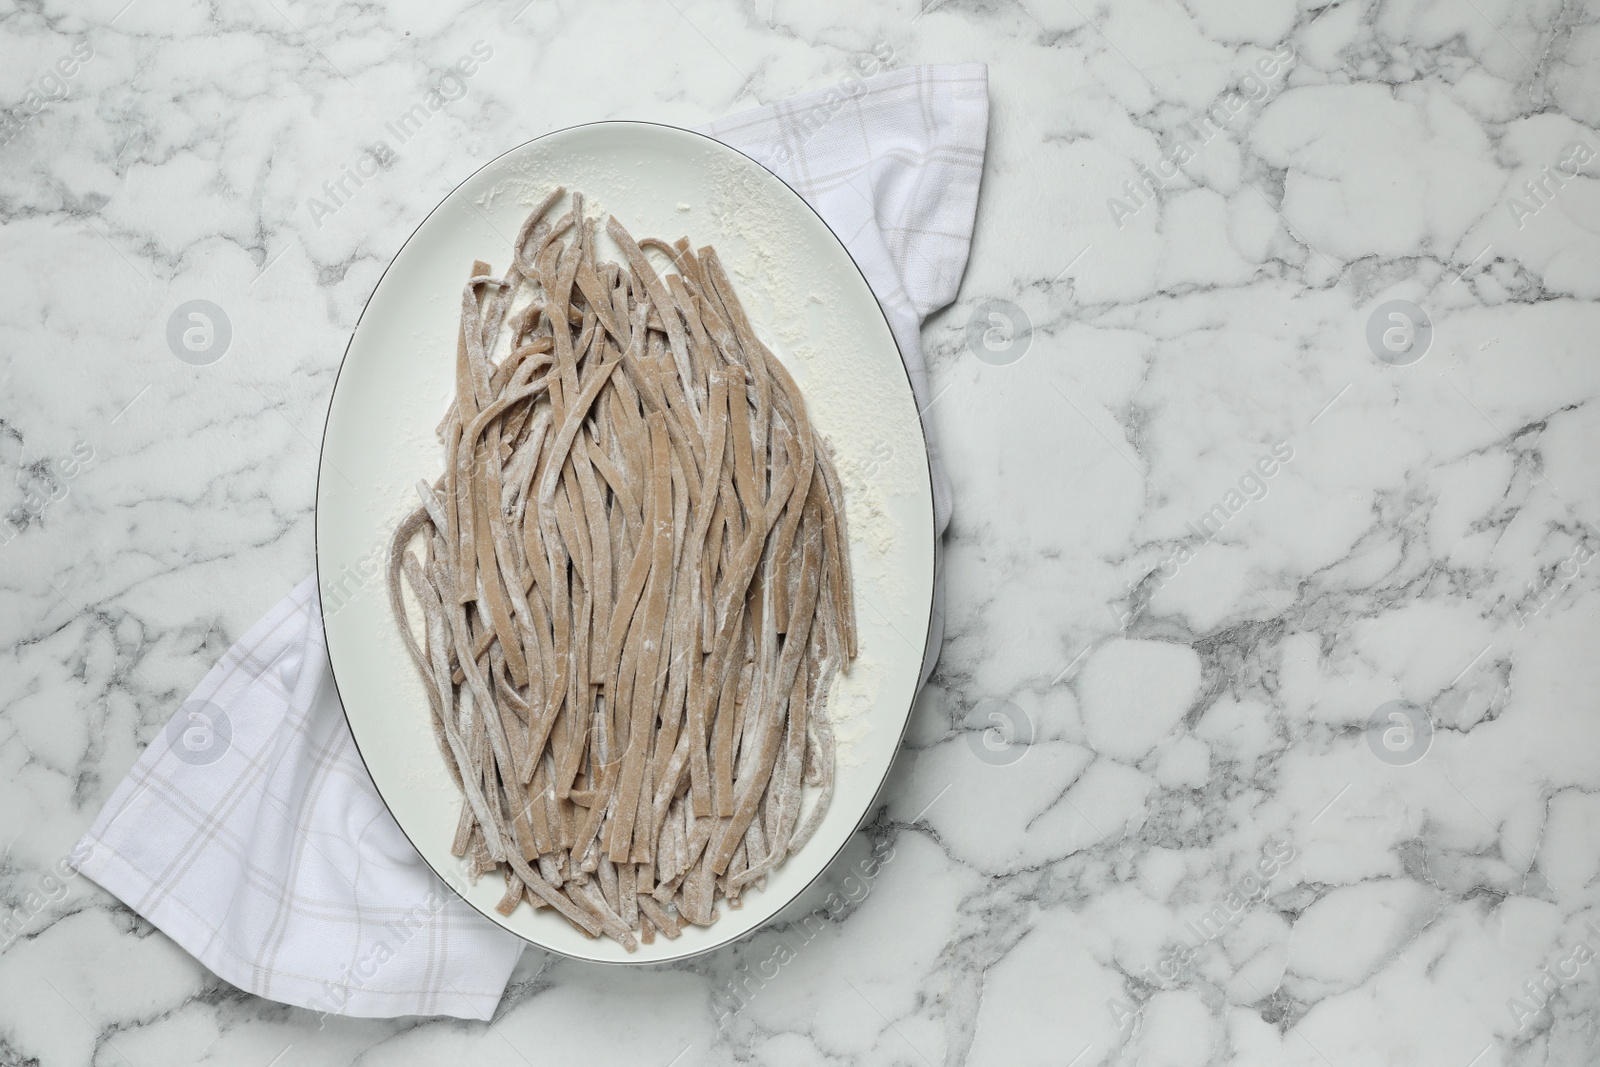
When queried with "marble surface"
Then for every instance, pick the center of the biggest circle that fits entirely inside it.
(1265, 729)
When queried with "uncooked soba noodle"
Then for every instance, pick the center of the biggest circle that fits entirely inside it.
(630, 589)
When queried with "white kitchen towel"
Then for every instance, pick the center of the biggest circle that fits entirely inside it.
(249, 831)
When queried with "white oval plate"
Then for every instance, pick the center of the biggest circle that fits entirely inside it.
(812, 307)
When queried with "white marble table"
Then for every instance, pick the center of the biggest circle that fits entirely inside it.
(1215, 518)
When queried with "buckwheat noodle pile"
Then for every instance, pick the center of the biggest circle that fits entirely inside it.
(630, 588)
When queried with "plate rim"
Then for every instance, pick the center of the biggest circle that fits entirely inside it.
(933, 557)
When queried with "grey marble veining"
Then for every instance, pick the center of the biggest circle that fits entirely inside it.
(1265, 730)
